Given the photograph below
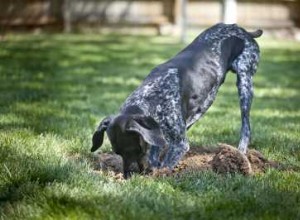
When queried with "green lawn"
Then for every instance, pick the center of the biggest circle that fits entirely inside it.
(56, 88)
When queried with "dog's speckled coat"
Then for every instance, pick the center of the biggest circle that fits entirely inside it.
(178, 92)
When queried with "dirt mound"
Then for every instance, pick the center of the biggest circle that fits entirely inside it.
(259, 163)
(231, 160)
(221, 159)
(108, 162)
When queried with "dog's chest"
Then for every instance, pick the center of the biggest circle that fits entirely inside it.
(160, 98)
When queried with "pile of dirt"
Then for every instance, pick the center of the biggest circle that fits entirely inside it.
(230, 160)
(108, 162)
(259, 163)
(221, 159)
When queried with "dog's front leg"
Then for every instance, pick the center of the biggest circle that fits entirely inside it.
(175, 154)
(126, 168)
(245, 90)
(154, 156)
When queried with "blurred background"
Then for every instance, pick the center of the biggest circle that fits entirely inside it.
(280, 18)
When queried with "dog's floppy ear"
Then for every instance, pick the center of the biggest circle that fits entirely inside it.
(98, 135)
(149, 130)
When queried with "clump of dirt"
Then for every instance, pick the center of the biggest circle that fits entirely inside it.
(108, 162)
(196, 159)
(259, 163)
(231, 160)
(221, 159)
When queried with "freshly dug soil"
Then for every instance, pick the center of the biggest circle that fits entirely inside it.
(108, 162)
(221, 159)
(230, 160)
(259, 163)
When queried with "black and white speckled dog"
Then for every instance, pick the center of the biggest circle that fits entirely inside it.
(156, 116)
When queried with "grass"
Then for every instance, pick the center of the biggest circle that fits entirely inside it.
(56, 88)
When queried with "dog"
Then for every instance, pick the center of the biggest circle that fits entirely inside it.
(151, 126)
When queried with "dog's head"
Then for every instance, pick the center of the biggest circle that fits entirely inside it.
(130, 135)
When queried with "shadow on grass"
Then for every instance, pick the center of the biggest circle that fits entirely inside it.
(207, 192)
(23, 175)
(261, 195)
(45, 76)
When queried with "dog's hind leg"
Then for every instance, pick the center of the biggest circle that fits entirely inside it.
(245, 90)
(245, 66)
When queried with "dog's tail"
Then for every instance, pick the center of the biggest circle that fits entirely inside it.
(256, 34)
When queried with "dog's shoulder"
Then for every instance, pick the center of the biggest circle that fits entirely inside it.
(159, 97)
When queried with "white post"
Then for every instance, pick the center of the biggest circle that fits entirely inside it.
(67, 16)
(181, 18)
(229, 11)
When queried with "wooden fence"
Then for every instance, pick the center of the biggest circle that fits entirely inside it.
(69, 14)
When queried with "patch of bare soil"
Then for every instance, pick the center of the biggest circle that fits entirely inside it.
(221, 159)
